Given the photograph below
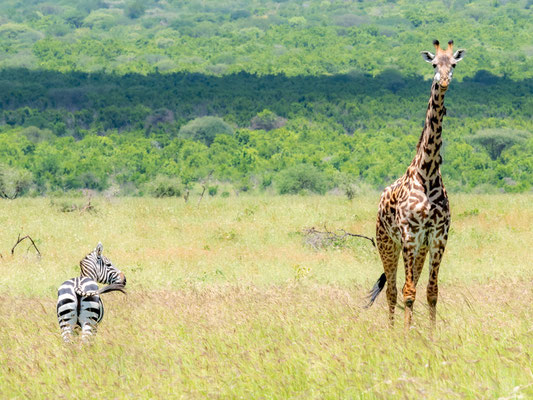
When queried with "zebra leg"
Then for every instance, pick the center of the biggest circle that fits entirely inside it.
(67, 304)
(91, 312)
(87, 332)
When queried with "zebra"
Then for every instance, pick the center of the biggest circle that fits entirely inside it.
(84, 311)
(78, 299)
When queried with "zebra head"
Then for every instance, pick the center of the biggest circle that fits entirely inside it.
(100, 268)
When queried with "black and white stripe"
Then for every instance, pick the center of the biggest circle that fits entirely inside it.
(78, 299)
(100, 268)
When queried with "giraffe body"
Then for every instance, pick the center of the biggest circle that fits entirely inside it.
(414, 215)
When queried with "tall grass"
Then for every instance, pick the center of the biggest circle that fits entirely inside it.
(226, 301)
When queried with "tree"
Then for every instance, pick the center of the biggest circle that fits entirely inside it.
(205, 129)
(14, 182)
(301, 178)
(135, 9)
(495, 141)
(267, 120)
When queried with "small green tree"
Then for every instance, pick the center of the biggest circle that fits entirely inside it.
(14, 182)
(267, 120)
(165, 186)
(301, 178)
(495, 141)
(135, 9)
(205, 129)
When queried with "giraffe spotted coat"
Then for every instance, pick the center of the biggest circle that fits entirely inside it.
(414, 215)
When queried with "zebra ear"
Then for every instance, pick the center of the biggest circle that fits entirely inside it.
(99, 249)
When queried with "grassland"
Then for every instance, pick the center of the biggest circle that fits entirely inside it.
(226, 301)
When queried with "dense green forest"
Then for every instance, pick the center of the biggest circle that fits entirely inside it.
(152, 96)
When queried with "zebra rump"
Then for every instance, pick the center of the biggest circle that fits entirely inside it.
(79, 304)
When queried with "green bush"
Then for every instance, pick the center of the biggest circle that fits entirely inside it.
(165, 186)
(212, 190)
(267, 120)
(205, 129)
(14, 182)
(302, 178)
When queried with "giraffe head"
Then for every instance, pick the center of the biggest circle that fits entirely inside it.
(444, 62)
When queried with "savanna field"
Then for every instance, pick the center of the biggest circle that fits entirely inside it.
(226, 300)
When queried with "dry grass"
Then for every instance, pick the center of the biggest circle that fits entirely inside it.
(225, 301)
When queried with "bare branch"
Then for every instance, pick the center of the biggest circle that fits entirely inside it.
(204, 186)
(20, 239)
(318, 239)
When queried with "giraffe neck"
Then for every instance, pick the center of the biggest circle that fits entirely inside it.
(427, 160)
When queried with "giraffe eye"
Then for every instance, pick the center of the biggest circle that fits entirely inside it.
(453, 65)
(434, 65)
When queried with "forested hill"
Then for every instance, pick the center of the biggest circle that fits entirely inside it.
(291, 37)
(149, 96)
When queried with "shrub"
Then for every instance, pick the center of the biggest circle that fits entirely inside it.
(302, 178)
(165, 186)
(135, 9)
(212, 190)
(267, 120)
(205, 129)
(14, 182)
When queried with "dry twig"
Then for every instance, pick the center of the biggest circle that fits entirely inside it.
(204, 187)
(20, 239)
(318, 239)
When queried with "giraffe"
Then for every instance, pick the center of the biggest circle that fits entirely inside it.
(414, 215)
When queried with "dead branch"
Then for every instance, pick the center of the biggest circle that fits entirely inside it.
(204, 187)
(318, 239)
(20, 239)
(88, 206)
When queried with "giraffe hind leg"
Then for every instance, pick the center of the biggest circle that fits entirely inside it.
(389, 253)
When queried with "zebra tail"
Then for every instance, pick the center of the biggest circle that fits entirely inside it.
(376, 290)
(111, 288)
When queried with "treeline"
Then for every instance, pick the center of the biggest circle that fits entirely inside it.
(296, 37)
(100, 131)
(304, 95)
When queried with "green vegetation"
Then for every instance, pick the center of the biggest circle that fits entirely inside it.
(225, 300)
(111, 94)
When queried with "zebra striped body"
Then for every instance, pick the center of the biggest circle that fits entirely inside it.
(74, 310)
(78, 299)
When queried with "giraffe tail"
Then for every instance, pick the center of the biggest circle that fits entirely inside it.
(376, 290)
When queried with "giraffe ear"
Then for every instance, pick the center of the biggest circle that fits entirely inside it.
(459, 54)
(427, 56)
(99, 249)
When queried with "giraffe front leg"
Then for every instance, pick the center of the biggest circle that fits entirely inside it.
(409, 289)
(419, 263)
(433, 285)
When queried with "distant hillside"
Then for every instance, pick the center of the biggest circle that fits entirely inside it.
(151, 97)
(293, 37)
